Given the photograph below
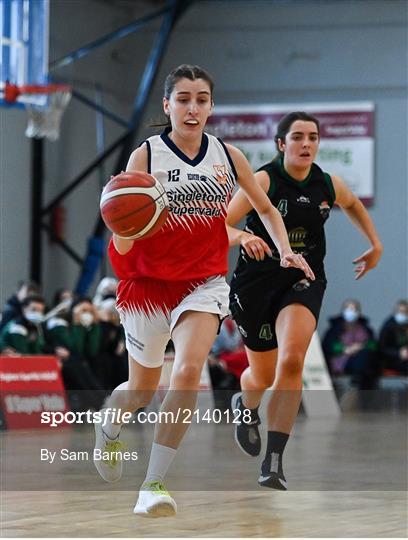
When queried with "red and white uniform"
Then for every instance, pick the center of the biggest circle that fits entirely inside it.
(160, 273)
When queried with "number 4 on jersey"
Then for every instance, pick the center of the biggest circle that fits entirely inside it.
(266, 332)
(283, 207)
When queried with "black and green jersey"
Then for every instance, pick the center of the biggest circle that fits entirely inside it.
(304, 206)
(261, 289)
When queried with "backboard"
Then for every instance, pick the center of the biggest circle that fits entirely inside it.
(24, 41)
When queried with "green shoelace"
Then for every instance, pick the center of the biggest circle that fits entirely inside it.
(156, 487)
(112, 448)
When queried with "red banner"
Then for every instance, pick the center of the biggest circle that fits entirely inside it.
(30, 385)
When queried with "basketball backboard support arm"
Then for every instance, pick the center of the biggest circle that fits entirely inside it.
(90, 47)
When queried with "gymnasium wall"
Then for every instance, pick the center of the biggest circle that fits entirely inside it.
(258, 52)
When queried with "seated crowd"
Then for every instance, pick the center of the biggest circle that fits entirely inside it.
(351, 347)
(86, 335)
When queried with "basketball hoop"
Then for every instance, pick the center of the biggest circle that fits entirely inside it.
(43, 121)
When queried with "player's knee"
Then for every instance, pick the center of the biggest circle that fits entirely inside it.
(186, 375)
(291, 364)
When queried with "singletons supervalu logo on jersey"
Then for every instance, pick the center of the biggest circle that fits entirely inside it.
(192, 194)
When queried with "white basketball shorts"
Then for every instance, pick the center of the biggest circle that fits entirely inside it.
(148, 312)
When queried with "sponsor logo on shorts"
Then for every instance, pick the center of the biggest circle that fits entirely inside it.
(243, 331)
(301, 285)
(236, 298)
(133, 341)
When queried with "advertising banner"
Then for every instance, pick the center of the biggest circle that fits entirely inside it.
(346, 145)
(30, 385)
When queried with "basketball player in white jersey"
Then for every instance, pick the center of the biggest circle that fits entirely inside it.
(173, 284)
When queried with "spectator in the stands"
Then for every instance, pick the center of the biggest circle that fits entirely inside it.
(24, 334)
(61, 305)
(64, 295)
(82, 333)
(81, 337)
(350, 347)
(393, 341)
(111, 365)
(13, 306)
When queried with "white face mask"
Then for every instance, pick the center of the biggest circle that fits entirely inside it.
(350, 315)
(34, 317)
(401, 318)
(86, 319)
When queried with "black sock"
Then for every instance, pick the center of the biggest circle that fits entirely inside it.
(274, 452)
(276, 442)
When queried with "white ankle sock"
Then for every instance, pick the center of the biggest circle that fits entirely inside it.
(161, 457)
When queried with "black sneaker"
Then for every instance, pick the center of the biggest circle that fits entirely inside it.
(272, 474)
(246, 433)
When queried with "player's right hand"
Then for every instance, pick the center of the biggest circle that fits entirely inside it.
(294, 260)
(255, 247)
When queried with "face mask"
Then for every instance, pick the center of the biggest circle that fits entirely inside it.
(350, 315)
(34, 317)
(401, 318)
(86, 319)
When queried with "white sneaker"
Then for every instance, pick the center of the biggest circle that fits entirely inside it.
(107, 455)
(155, 501)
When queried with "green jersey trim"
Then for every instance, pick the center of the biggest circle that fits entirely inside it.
(293, 180)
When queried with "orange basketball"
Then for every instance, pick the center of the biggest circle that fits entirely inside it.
(134, 205)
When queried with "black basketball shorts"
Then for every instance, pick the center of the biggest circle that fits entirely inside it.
(255, 310)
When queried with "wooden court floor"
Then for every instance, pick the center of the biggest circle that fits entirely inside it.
(347, 478)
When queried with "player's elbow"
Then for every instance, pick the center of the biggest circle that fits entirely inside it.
(231, 220)
(122, 245)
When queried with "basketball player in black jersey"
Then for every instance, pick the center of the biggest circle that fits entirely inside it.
(276, 309)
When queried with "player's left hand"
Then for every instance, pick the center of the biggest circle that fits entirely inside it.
(367, 261)
(254, 246)
(294, 260)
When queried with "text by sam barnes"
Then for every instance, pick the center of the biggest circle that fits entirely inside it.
(64, 454)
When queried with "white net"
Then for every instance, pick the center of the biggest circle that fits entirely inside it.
(45, 122)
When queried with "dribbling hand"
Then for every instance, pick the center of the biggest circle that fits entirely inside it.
(294, 260)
